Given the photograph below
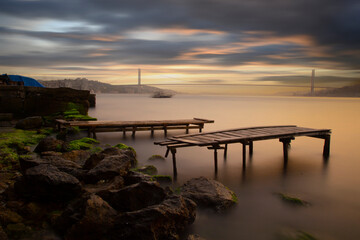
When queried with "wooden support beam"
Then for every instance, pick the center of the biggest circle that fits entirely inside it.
(152, 131)
(215, 159)
(167, 152)
(133, 131)
(326, 151)
(251, 148)
(244, 153)
(286, 144)
(201, 126)
(165, 130)
(225, 150)
(124, 132)
(173, 152)
(187, 128)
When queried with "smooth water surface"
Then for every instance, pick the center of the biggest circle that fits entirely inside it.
(332, 188)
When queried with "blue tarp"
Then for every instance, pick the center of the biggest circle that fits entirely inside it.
(28, 82)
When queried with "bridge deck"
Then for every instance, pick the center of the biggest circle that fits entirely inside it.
(246, 136)
(124, 126)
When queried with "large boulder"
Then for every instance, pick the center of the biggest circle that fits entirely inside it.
(3, 235)
(163, 221)
(46, 182)
(50, 144)
(134, 197)
(108, 168)
(30, 123)
(114, 184)
(78, 156)
(136, 177)
(96, 158)
(209, 193)
(97, 218)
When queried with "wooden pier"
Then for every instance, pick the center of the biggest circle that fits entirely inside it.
(133, 126)
(246, 136)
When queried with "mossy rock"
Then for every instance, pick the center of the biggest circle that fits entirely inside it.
(156, 157)
(148, 169)
(15, 143)
(292, 200)
(125, 147)
(162, 178)
(82, 144)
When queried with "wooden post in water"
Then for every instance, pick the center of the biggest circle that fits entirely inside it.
(251, 148)
(215, 159)
(244, 153)
(173, 152)
(286, 143)
(225, 150)
(165, 130)
(326, 151)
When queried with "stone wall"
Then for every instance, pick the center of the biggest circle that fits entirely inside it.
(30, 101)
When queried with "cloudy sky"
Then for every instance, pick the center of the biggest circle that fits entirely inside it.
(183, 41)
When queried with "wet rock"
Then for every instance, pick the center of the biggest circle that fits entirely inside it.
(51, 153)
(77, 156)
(50, 144)
(97, 219)
(163, 221)
(3, 235)
(46, 182)
(18, 231)
(116, 151)
(109, 168)
(136, 177)
(29, 123)
(96, 158)
(114, 184)
(60, 162)
(134, 197)
(195, 237)
(7, 216)
(209, 193)
(93, 160)
(148, 169)
(29, 162)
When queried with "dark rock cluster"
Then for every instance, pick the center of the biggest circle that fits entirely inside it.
(96, 196)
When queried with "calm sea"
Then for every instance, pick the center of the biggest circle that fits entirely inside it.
(332, 189)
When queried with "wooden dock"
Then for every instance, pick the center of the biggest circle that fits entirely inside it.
(133, 126)
(246, 136)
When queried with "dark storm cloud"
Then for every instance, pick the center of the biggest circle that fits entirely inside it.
(331, 24)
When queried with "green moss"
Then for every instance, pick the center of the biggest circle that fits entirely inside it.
(73, 112)
(84, 143)
(162, 178)
(14, 143)
(148, 169)
(292, 200)
(123, 146)
(156, 157)
(96, 149)
(177, 190)
(234, 197)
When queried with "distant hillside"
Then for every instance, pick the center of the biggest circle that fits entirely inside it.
(347, 91)
(99, 87)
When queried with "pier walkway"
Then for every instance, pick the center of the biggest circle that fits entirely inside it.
(134, 126)
(246, 136)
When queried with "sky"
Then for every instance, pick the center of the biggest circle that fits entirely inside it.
(262, 42)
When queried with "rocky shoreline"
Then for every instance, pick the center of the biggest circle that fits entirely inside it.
(58, 192)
